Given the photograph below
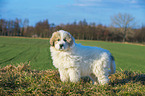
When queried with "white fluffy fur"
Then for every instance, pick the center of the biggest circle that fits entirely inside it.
(78, 60)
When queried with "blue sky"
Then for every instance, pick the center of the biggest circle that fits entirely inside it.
(68, 11)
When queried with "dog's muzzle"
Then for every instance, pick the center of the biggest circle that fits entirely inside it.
(61, 46)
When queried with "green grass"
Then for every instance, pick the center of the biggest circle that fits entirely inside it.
(36, 51)
(20, 50)
(22, 81)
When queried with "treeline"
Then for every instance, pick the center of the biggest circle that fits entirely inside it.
(80, 30)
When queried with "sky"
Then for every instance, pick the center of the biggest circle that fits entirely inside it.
(68, 11)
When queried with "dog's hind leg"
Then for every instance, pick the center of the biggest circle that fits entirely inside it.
(93, 78)
(102, 74)
(103, 79)
(112, 66)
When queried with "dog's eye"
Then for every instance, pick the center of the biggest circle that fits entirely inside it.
(64, 40)
(58, 40)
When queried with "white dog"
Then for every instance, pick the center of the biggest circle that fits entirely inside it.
(75, 60)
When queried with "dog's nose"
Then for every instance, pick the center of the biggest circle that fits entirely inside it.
(61, 45)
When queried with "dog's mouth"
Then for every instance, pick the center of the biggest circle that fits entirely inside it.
(61, 47)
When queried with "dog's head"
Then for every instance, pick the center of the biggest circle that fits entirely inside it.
(62, 40)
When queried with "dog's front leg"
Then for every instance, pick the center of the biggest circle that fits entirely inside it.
(64, 76)
(74, 74)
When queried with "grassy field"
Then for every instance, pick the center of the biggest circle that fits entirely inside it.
(36, 51)
(20, 50)
(29, 54)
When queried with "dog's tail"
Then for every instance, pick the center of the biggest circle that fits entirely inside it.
(112, 66)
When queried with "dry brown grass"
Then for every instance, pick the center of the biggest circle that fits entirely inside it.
(21, 80)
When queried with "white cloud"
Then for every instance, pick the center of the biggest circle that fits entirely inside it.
(80, 4)
(93, 0)
(106, 3)
(88, 0)
(133, 1)
(83, 3)
(129, 1)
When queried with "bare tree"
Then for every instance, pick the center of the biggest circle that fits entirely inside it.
(25, 25)
(124, 22)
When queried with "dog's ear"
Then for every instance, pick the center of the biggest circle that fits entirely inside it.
(54, 37)
(51, 41)
(69, 39)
